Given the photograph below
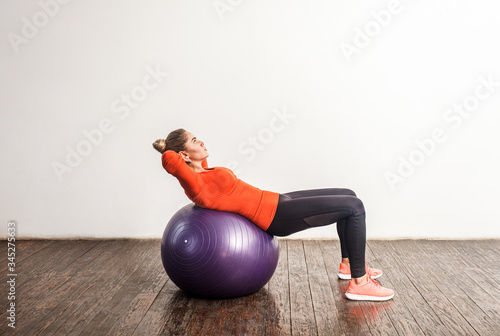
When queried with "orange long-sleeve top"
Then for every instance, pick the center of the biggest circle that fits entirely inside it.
(218, 188)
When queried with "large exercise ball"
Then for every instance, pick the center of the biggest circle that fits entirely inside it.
(217, 254)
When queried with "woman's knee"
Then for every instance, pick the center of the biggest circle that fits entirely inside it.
(349, 192)
(357, 205)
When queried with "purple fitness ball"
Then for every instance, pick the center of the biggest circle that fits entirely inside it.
(217, 254)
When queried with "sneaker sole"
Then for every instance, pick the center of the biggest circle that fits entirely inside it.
(344, 276)
(348, 276)
(358, 297)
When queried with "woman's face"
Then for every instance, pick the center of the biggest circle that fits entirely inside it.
(195, 148)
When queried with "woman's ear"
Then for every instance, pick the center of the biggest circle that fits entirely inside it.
(184, 156)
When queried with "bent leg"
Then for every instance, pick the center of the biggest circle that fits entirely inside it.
(324, 192)
(300, 213)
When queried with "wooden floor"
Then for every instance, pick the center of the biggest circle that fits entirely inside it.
(119, 287)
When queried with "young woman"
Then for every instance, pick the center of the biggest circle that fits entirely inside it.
(185, 157)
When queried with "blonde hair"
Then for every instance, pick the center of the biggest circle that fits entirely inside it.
(176, 141)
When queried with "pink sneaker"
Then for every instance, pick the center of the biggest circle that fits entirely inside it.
(345, 272)
(370, 291)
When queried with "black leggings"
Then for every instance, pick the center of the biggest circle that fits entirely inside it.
(304, 209)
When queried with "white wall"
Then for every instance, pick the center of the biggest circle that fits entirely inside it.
(357, 106)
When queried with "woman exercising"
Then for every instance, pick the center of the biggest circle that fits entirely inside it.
(185, 157)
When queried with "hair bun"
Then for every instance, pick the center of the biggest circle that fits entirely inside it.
(160, 145)
(175, 141)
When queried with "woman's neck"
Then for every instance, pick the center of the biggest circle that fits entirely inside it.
(196, 167)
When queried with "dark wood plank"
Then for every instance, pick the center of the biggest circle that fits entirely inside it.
(302, 313)
(454, 290)
(395, 269)
(180, 314)
(200, 317)
(119, 287)
(157, 317)
(50, 259)
(239, 316)
(401, 317)
(485, 292)
(26, 298)
(279, 297)
(325, 311)
(44, 291)
(243, 316)
(30, 291)
(78, 315)
(351, 318)
(24, 249)
(377, 314)
(43, 267)
(53, 285)
(487, 250)
(428, 281)
(54, 258)
(151, 279)
(481, 296)
(473, 255)
(91, 263)
(142, 256)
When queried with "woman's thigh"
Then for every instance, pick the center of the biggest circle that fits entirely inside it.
(294, 215)
(320, 192)
(307, 206)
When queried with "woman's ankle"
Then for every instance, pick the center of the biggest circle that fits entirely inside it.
(360, 281)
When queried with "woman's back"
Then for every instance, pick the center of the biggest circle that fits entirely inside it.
(219, 189)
